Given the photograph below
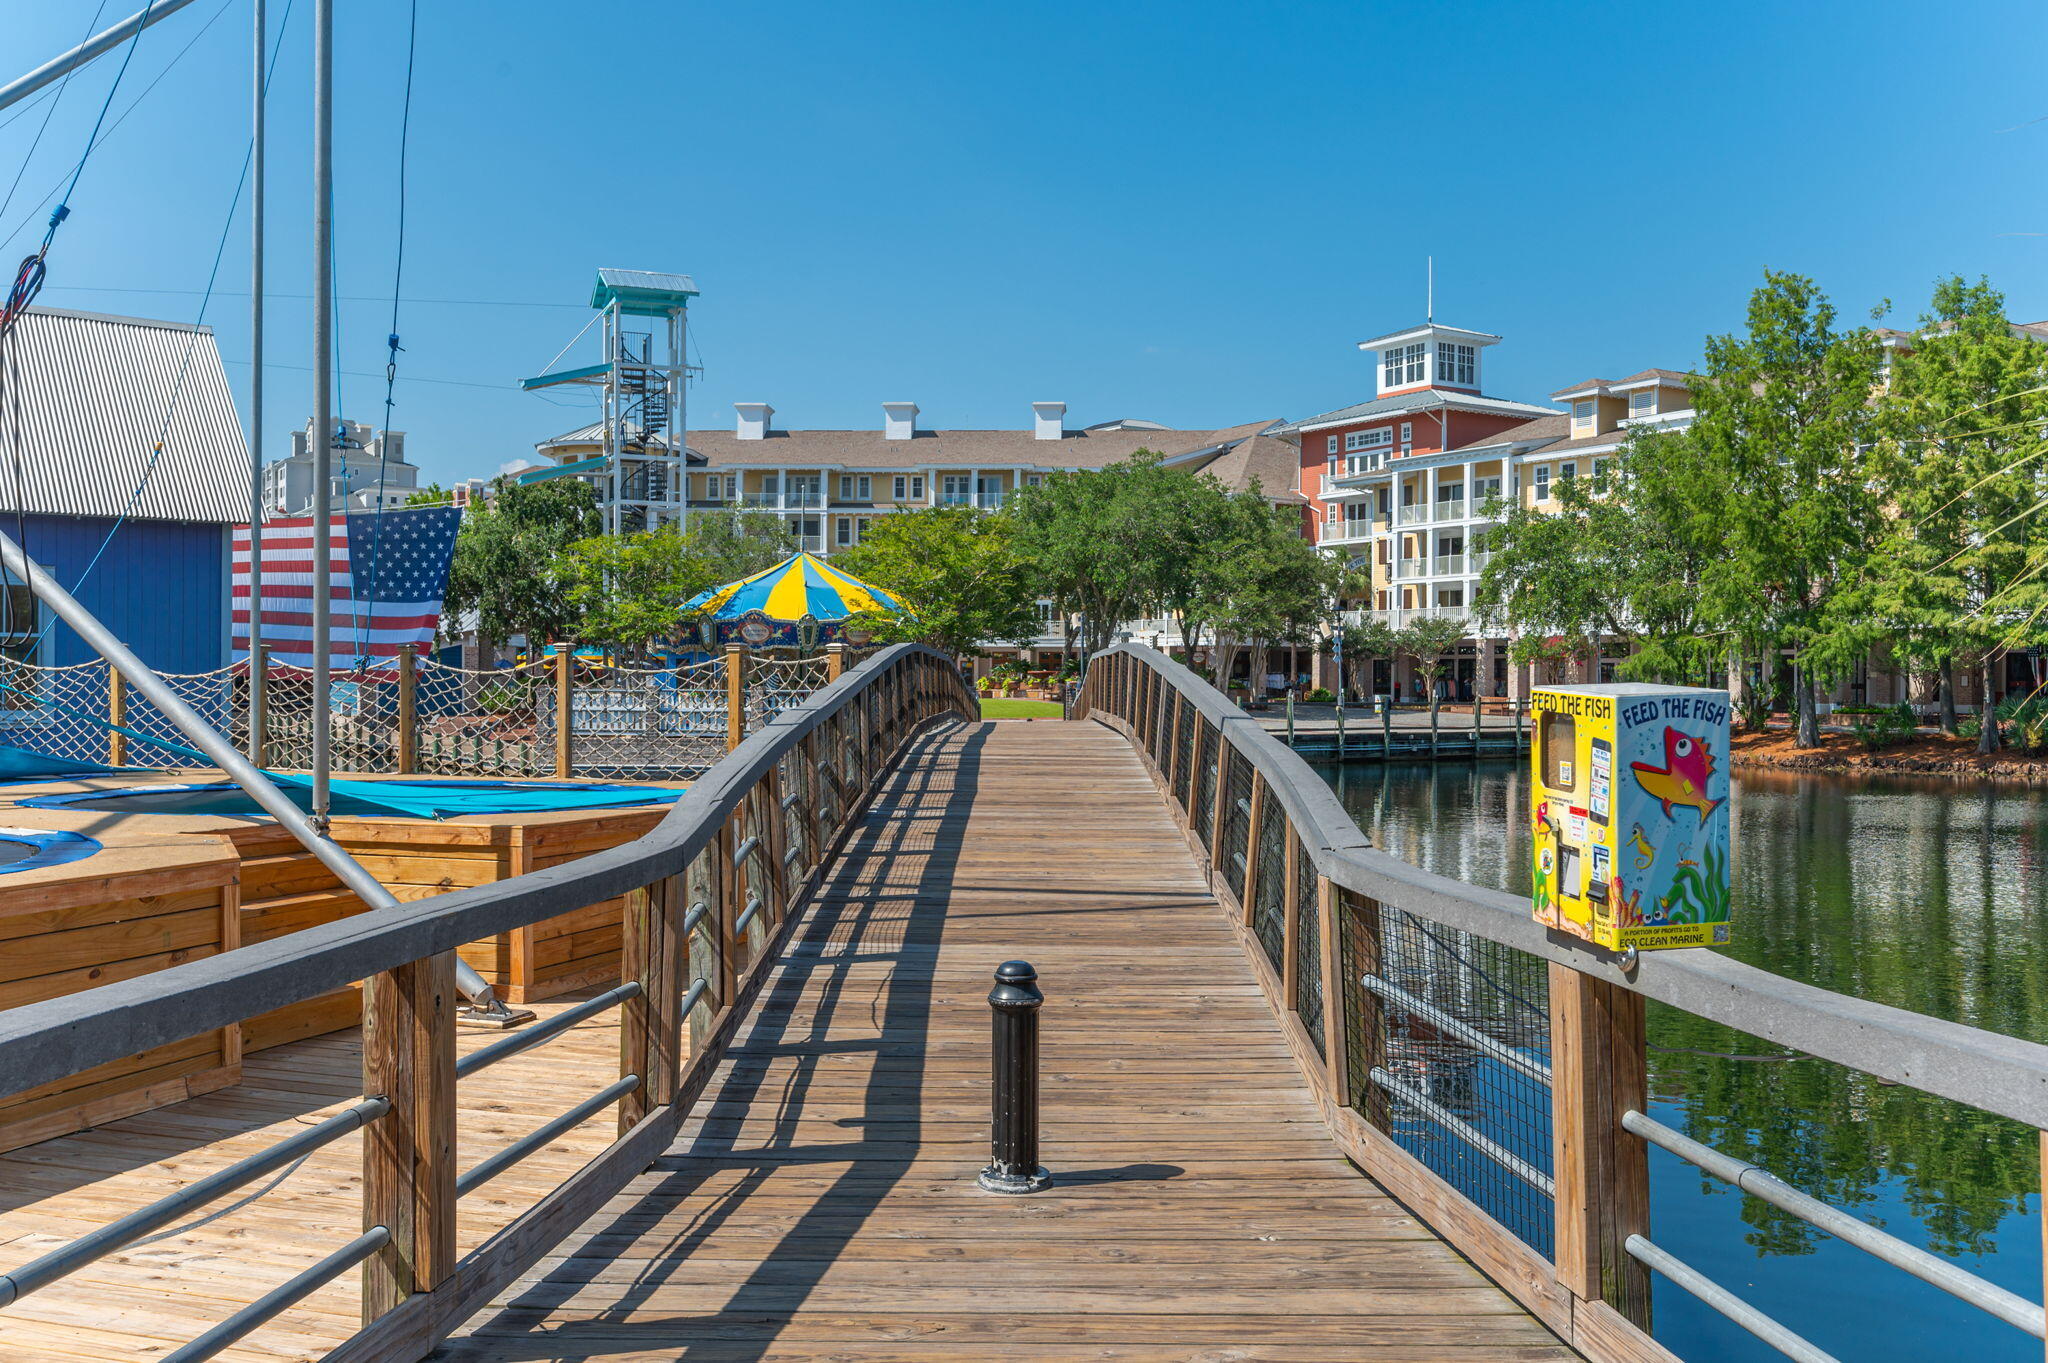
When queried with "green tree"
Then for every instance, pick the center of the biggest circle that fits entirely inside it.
(956, 571)
(1957, 581)
(733, 542)
(507, 570)
(1106, 543)
(1784, 417)
(1372, 638)
(433, 494)
(627, 589)
(1263, 584)
(1429, 639)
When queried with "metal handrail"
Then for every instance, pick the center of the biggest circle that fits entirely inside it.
(1760, 1183)
(535, 1033)
(282, 1298)
(747, 914)
(746, 849)
(492, 1166)
(96, 1245)
(1466, 1132)
(1457, 1027)
(1712, 1294)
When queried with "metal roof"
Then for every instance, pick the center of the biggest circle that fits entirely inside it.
(95, 394)
(1422, 399)
(642, 292)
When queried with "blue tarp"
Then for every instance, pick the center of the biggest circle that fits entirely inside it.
(25, 764)
(380, 799)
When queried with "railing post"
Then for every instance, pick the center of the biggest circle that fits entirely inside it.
(652, 953)
(726, 910)
(1290, 927)
(408, 711)
(1599, 1070)
(409, 1153)
(259, 706)
(735, 695)
(565, 681)
(1013, 1165)
(117, 718)
(1221, 800)
(835, 662)
(1337, 1019)
(1251, 848)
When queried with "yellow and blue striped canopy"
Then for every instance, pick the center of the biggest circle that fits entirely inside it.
(798, 586)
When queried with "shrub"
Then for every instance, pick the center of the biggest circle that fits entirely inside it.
(2025, 719)
(1878, 727)
(1322, 695)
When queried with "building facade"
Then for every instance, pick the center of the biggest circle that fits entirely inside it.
(366, 468)
(832, 486)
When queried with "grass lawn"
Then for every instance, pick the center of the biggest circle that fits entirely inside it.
(1000, 708)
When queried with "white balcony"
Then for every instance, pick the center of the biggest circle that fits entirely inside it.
(1451, 510)
(1344, 532)
(1414, 513)
(1448, 565)
(1407, 568)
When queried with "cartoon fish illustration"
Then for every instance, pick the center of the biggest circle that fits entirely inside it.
(1645, 853)
(1682, 780)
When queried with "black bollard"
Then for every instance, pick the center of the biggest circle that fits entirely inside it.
(1013, 1165)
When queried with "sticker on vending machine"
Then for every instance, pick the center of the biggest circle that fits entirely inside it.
(1601, 778)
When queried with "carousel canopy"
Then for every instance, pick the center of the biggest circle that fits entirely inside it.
(798, 586)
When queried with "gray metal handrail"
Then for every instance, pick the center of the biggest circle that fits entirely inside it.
(1712, 1294)
(1459, 1028)
(95, 1245)
(1466, 1132)
(491, 1166)
(281, 1298)
(547, 1030)
(747, 914)
(1761, 1183)
(745, 850)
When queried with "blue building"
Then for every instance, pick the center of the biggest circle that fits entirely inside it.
(138, 534)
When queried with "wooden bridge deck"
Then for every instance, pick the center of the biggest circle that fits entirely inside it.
(821, 1202)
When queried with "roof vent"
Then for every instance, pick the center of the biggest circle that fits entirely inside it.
(899, 420)
(1049, 420)
(753, 420)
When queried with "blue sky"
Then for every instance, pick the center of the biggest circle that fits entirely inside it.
(1188, 212)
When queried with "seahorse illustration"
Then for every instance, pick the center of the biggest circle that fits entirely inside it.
(1645, 853)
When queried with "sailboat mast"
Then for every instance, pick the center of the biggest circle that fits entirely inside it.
(323, 389)
(257, 680)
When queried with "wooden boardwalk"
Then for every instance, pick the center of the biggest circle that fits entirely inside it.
(820, 1204)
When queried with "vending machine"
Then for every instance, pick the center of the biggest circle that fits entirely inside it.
(1630, 814)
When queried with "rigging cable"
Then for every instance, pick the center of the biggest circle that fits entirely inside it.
(185, 361)
(391, 361)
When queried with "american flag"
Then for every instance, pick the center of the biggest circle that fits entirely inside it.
(389, 576)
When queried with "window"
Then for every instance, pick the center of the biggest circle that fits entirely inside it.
(806, 489)
(1046, 617)
(1582, 412)
(1407, 437)
(771, 486)
(1330, 513)
(1368, 440)
(1034, 480)
(1330, 445)
(902, 487)
(910, 487)
(1404, 365)
(1543, 482)
(22, 640)
(856, 487)
(1567, 471)
(1642, 402)
(1457, 364)
(1450, 492)
(956, 489)
(1386, 498)
(1484, 490)
(1599, 471)
(1336, 464)
(844, 536)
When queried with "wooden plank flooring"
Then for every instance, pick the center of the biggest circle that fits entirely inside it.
(172, 1285)
(821, 1203)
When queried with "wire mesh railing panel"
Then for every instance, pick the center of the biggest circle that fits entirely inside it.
(1184, 749)
(495, 722)
(1201, 816)
(777, 684)
(647, 724)
(1235, 853)
(1440, 1058)
(1308, 949)
(1269, 892)
(362, 721)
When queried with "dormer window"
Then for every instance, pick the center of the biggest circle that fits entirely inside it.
(1404, 365)
(1582, 414)
(1642, 402)
(1457, 365)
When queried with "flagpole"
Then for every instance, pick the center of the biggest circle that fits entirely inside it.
(256, 677)
(323, 395)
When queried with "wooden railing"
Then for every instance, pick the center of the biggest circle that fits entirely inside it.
(709, 893)
(1351, 946)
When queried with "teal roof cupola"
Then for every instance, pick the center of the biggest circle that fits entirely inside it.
(642, 293)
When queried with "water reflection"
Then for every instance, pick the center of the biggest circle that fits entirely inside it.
(1925, 895)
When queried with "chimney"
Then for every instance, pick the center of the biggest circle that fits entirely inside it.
(1049, 420)
(899, 420)
(754, 419)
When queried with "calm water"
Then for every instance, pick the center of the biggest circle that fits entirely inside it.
(1929, 896)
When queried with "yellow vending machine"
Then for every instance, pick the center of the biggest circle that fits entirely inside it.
(1630, 812)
